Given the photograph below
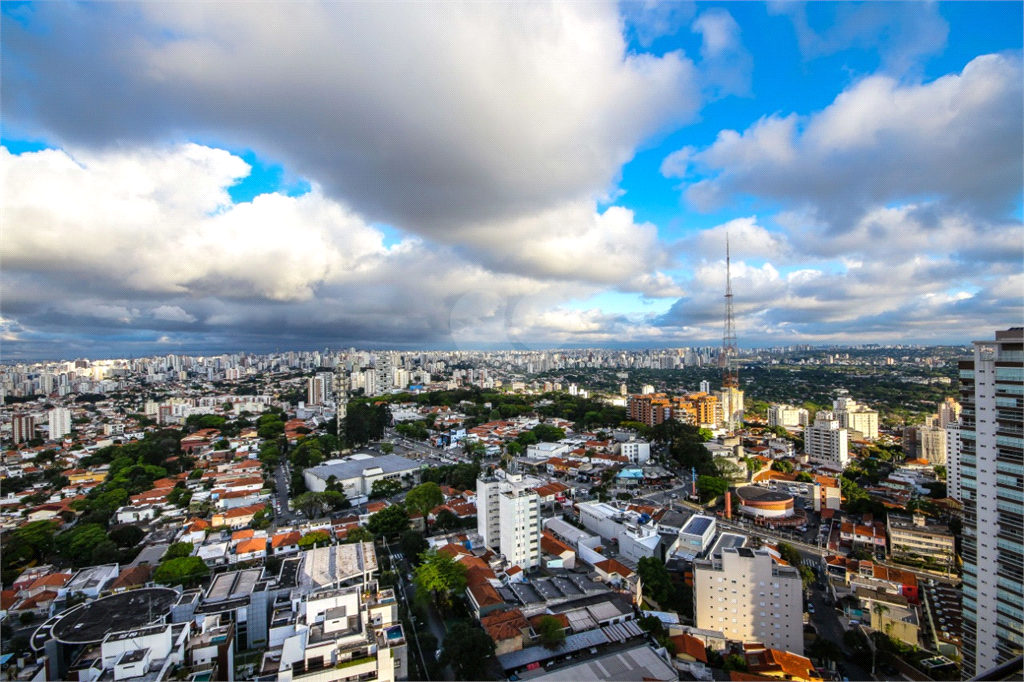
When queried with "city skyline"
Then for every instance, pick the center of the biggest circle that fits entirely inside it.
(196, 179)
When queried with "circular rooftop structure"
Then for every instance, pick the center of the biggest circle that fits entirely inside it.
(92, 621)
(755, 501)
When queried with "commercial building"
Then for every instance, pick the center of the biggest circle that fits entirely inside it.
(991, 476)
(60, 422)
(508, 518)
(788, 416)
(355, 475)
(745, 595)
(826, 441)
(911, 537)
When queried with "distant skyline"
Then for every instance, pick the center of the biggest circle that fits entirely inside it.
(204, 178)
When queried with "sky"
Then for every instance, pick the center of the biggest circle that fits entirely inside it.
(204, 178)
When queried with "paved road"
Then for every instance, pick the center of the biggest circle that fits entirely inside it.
(282, 479)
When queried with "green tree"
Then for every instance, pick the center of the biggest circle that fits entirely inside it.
(440, 575)
(389, 521)
(655, 580)
(261, 519)
(38, 535)
(804, 477)
(76, 545)
(469, 650)
(424, 497)
(385, 487)
(782, 465)
(182, 571)
(413, 544)
(311, 504)
(546, 433)
(127, 536)
(387, 448)
(314, 539)
(446, 521)
(105, 553)
(358, 534)
(550, 632)
(735, 662)
(178, 550)
(335, 500)
(709, 487)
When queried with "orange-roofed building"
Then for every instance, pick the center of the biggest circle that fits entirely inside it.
(250, 550)
(484, 599)
(285, 543)
(781, 665)
(689, 648)
(240, 535)
(509, 629)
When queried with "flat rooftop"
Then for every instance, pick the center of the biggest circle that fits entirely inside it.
(755, 494)
(697, 525)
(92, 621)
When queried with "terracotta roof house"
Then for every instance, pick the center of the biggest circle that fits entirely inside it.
(132, 578)
(509, 629)
(689, 648)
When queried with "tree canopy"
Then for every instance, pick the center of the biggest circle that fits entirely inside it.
(178, 550)
(389, 521)
(550, 632)
(314, 538)
(182, 571)
(424, 498)
(469, 650)
(440, 575)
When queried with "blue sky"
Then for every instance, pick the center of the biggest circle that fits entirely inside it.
(196, 177)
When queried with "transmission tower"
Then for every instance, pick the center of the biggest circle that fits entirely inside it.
(730, 374)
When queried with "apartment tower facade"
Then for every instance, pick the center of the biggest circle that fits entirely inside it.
(991, 476)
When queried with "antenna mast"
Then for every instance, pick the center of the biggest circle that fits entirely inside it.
(730, 374)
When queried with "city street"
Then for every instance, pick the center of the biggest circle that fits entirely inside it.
(281, 480)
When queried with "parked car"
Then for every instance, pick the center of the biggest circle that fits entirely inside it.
(810, 608)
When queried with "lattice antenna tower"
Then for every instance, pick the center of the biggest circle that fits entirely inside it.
(730, 374)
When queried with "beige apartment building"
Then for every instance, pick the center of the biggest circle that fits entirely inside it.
(913, 536)
(746, 596)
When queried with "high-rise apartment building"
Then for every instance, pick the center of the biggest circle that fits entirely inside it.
(23, 428)
(932, 444)
(508, 518)
(856, 417)
(949, 412)
(825, 441)
(991, 471)
(788, 415)
(60, 422)
(747, 596)
(384, 379)
(953, 450)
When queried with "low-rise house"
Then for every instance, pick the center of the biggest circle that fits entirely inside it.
(509, 629)
(136, 513)
(250, 550)
(236, 518)
(557, 550)
(782, 665)
(285, 543)
(132, 578)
